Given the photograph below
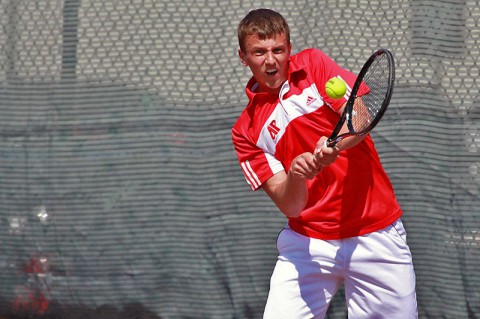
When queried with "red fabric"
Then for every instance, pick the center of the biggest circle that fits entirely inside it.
(351, 197)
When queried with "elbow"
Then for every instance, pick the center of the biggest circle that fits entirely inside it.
(292, 212)
(294, 207)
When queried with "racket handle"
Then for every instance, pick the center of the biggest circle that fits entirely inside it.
(330, 143)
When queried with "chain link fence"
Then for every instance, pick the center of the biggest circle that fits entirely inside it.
(121, 196)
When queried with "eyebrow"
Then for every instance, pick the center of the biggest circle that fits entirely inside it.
(276, 47)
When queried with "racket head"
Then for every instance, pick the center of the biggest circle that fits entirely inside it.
(369, 98)
(371, 93)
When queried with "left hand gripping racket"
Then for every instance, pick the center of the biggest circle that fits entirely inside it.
(369, 98)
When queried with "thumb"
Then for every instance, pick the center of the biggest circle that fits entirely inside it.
(322, 142)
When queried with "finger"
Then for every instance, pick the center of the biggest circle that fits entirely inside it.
(315, 163)
(311, 174)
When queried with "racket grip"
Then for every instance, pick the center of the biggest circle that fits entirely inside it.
(330, 143)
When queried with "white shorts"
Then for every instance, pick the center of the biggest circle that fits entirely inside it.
(376, 270)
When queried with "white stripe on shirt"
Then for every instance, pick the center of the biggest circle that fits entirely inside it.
(250, 175)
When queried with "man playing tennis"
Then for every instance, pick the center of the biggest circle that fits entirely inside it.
(343, 217)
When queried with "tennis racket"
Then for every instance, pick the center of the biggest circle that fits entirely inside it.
(369, 98)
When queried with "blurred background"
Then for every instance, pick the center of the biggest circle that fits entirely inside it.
(120, 192)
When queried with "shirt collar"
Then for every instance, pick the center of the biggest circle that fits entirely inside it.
(252, 85)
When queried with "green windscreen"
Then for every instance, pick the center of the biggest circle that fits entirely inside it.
(120, 191)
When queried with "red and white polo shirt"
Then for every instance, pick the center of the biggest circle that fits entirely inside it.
(351, 197)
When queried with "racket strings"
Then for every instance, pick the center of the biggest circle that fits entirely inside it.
(373, 93)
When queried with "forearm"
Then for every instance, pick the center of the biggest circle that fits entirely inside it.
(291, 195)
(289, 190)
(349, 142)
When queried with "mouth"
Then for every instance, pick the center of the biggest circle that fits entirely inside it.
(271, 71)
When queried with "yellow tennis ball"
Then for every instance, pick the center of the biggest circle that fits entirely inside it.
(336, 88)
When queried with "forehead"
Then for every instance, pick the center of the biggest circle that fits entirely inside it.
(254, 41)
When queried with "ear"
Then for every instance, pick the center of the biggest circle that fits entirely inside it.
(241, 55)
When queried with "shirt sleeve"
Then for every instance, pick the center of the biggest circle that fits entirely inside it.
(257, 165)
(323, 69)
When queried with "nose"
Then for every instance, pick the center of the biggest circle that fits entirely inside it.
(269, 59)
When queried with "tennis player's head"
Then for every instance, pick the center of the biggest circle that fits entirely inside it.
(264, 46)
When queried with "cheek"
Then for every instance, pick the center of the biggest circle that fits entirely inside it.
(255, 64)
(284, 60)
(284, 65)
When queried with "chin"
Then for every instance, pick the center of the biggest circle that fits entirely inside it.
(274, 87)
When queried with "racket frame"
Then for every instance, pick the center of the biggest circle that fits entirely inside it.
(347, 112)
